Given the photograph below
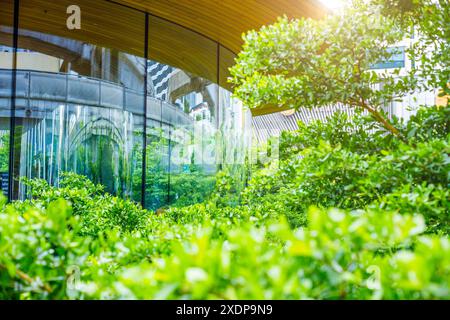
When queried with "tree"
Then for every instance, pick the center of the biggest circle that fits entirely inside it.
(314, 63)
(431, 21)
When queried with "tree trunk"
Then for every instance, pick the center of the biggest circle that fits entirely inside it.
(386, 124)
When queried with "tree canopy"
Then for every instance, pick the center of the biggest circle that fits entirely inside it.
(313, 63)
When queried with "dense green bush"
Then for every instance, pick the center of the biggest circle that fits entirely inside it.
(357, 134)
(340, 255)
(430, 200)
(329, 165)
(238, 245)
(37, 248)
(76, 241)
(190, 187)
(348, 211)
(428, 123)
(99, 210)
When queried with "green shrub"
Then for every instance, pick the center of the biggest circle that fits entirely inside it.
(429, 200)
(339, 172)
(190, 188)
(99, 210)
(239, 245)
(358, 134)
(428, 123)
(37, 249)
(334, 258)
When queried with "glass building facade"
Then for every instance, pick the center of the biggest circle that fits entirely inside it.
(132, 101)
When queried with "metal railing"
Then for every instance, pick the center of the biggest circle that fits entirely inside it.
(87, 91)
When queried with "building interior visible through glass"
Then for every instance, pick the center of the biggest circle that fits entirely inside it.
(77, 102)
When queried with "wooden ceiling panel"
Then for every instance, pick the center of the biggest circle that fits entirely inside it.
(102, 23)
(179, 47)
(6, 13)
(225, 20)
(226, 61)
(175, 30)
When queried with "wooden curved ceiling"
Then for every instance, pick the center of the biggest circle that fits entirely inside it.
(225, 20)
(175, 28)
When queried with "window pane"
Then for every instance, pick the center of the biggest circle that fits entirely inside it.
(396, 60)
(182, 72)
(157, 177)
(6, 64)
(81, 93)
(226, 61)
(235, 129)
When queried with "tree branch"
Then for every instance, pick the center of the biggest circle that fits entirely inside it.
(25, 277)
(379, 117)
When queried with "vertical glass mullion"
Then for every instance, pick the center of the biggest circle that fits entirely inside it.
(12, 102)
(144, 133)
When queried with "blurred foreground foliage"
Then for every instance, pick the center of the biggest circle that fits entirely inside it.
(281, 240)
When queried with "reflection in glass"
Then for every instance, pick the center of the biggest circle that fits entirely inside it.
(81, 107)
(80, 103)
(181, 76)
(180, 136)
(6, 78)
(234, 129)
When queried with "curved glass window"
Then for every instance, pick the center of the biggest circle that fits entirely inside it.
(102, 89)
(182, 124)
(6, 87)
(81, 93)
(234, 127)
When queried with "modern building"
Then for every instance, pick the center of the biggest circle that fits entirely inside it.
(131, 93)
(271, 124)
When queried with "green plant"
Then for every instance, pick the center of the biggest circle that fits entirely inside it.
(429, 21)
(356, 134)
(428, 123)
(279, 236)
(334, 258)
(211, 250)
(99, 210)
(309, 63)
(339, 164)
(429, 200)
(37, 249)
(4, 152)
